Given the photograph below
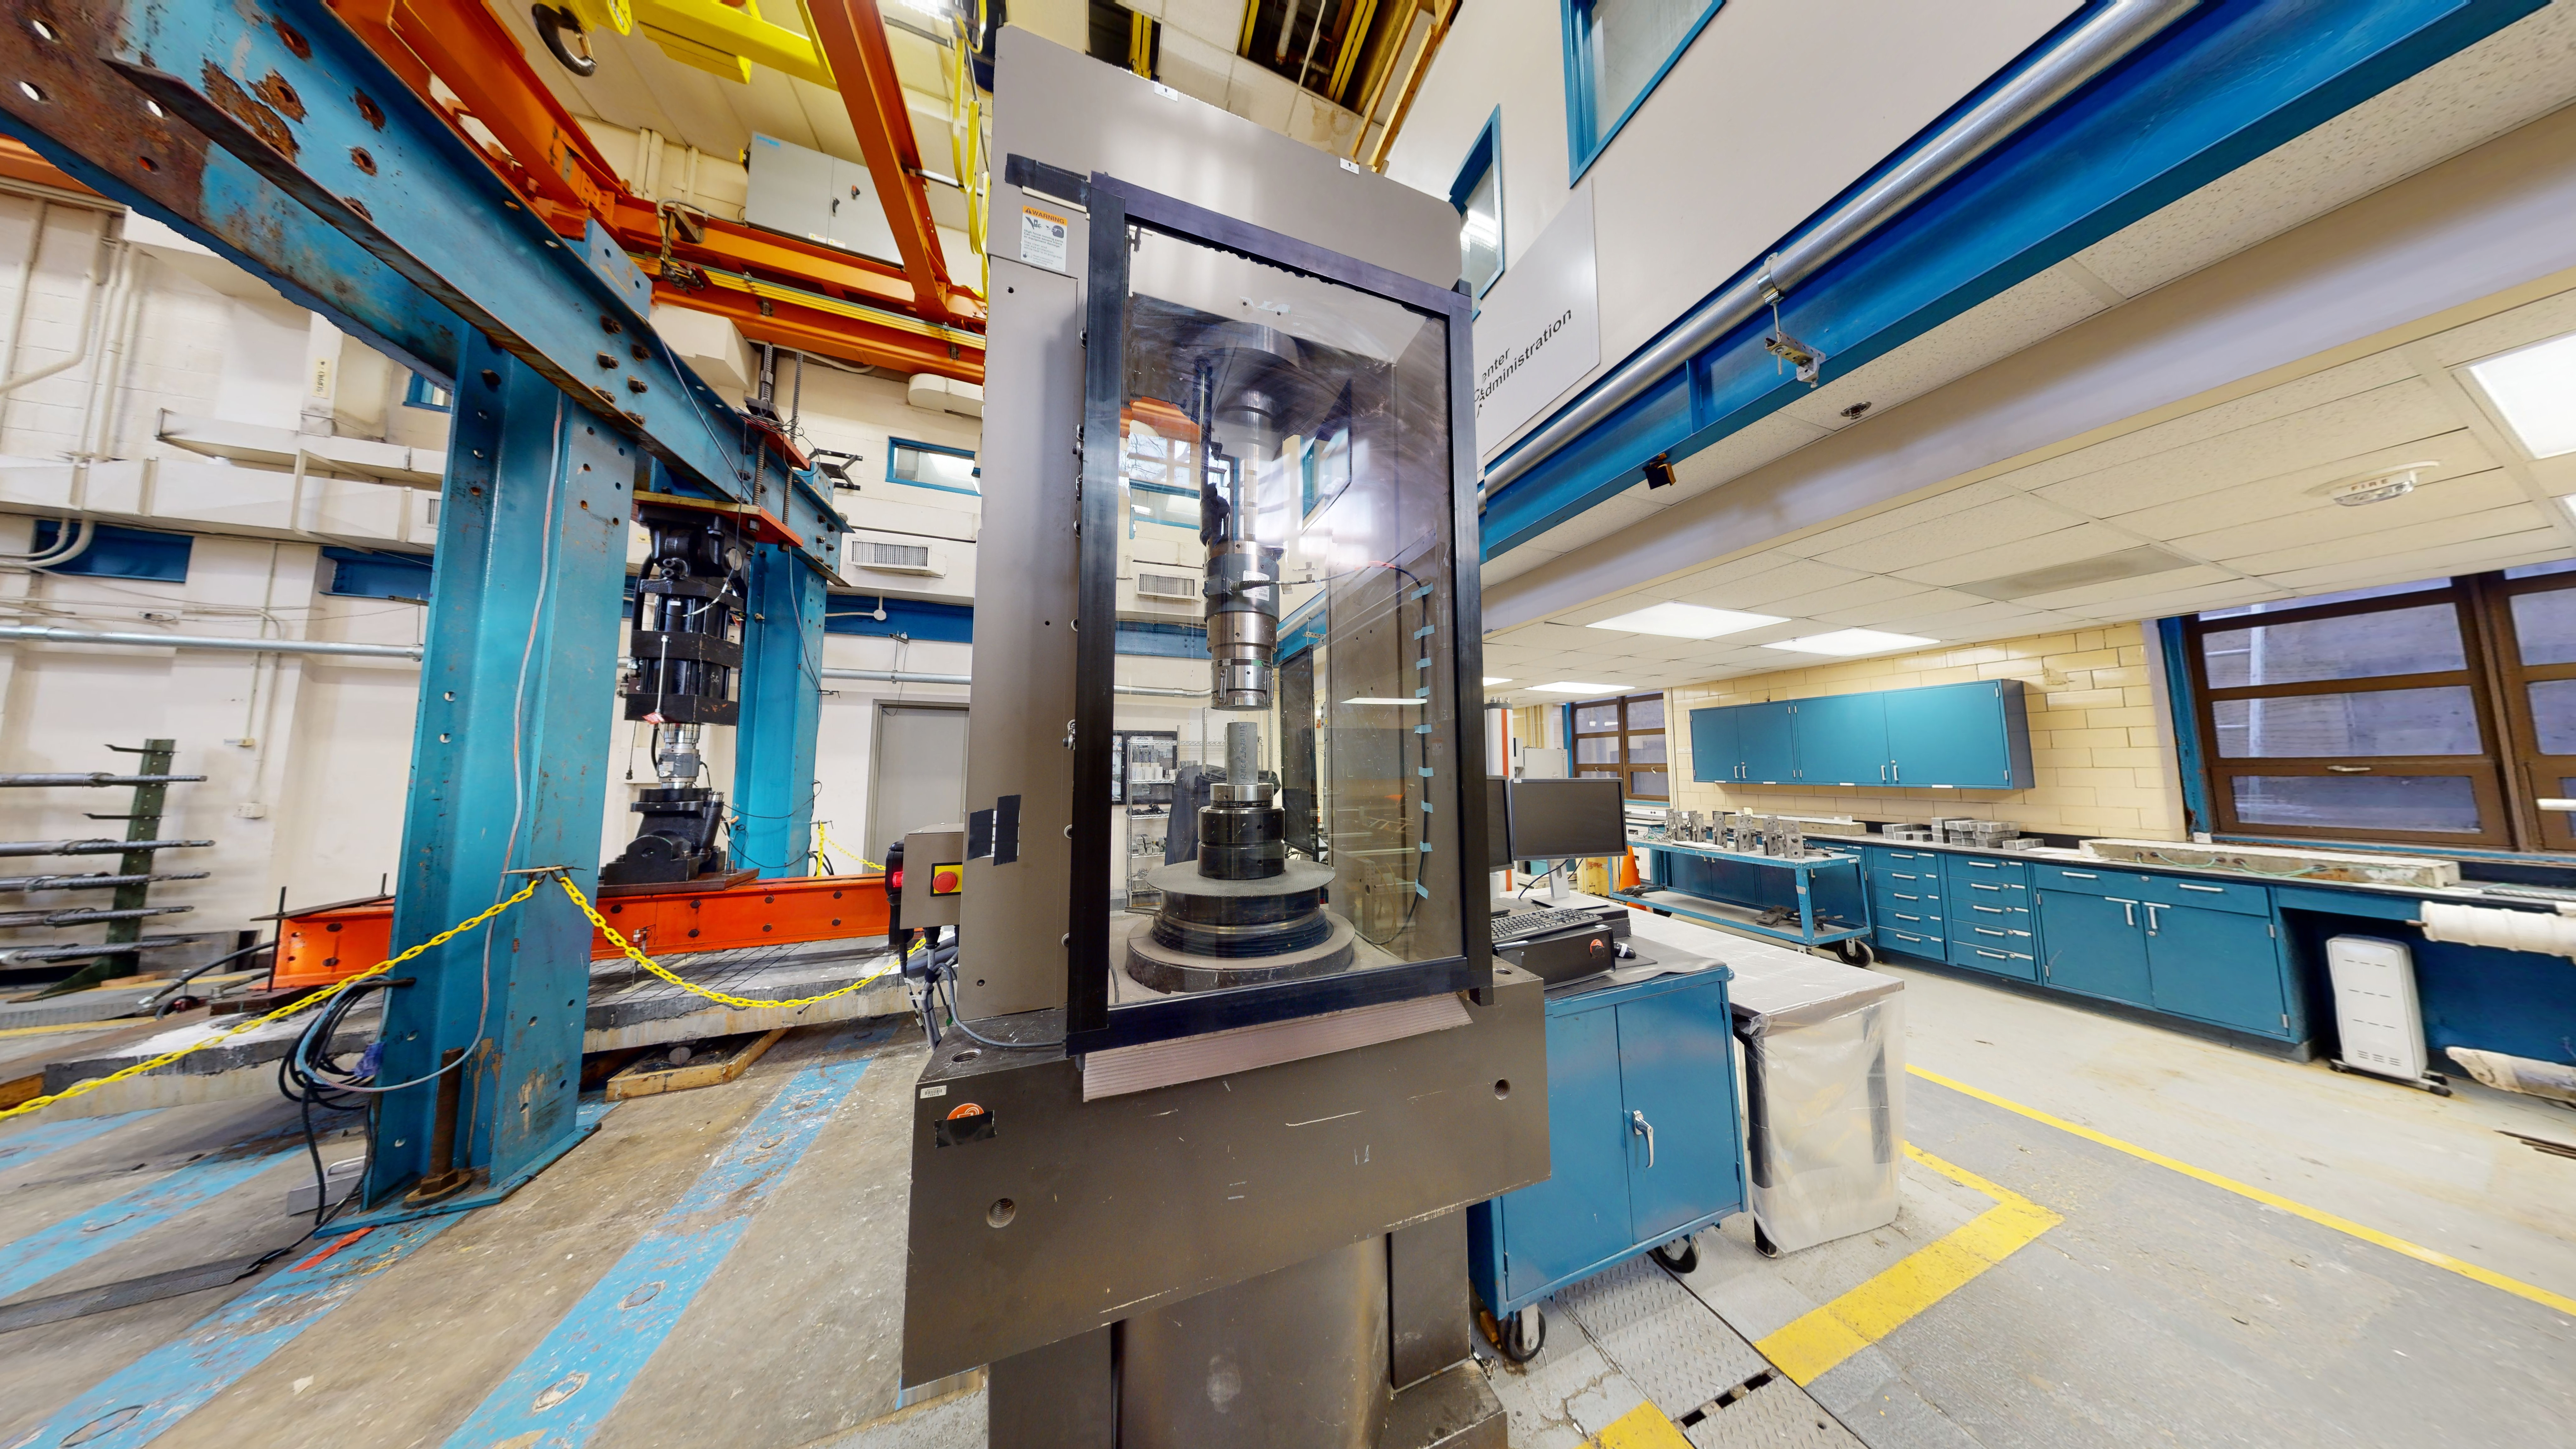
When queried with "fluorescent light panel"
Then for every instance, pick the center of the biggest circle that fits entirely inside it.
(1493, 679)
(1852, 641)
(1386, 701)
(2535, 389)
(1686, 621)
(1577, 686)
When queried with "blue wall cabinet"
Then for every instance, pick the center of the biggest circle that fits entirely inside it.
(2216, 966)
(1973, 736)
(1842, 739)
(1716, 754)
(1767, 739)
(2095, 944)
(1644, 1141)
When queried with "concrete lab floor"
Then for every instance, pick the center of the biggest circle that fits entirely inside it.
(725, 1265)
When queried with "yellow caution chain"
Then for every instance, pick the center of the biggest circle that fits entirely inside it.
(316, 999)
(824, 841)
(739, 1003)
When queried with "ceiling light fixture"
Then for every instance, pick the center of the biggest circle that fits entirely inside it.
(1386, 701)
(1493, 679)
(1577, 686)
(2531, 388)
(1685, 621)
(1852, 641)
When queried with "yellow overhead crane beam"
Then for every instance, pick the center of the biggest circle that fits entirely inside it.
(720, 39)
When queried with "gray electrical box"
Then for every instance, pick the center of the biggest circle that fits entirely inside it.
(934, 876)
(820, 198)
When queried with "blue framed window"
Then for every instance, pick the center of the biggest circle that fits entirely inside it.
(1478, 195)
(1616, 52)
(422, 393)
(119, 553)
(929, 465)
(365, 574)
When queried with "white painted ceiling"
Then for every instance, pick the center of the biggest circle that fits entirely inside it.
(2227, 488)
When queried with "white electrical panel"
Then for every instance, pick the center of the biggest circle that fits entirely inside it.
(2376, 1012)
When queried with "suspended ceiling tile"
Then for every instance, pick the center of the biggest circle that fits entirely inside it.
(1932, 533)
(2095, 597)
(2035, 308)
(2537, 322)
(1866, 591)
(2455, 456)
(1773, 437)
(2470, 556)
(2317, 388)
(1773, 590)
(2518, 74)
(1899, 519)
(1897, 612)
(2398, 546)
(2384, 417)
(2323, 520)
(1685, 586)
(2019, 555)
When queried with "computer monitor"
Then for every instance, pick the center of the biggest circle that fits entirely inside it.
(1554, 819)
(1498, 823)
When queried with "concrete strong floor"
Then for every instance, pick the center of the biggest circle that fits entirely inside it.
(725, 1266)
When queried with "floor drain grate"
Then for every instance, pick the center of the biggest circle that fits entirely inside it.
(1731, 1396)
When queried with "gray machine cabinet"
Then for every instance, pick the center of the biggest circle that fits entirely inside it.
(820, 198)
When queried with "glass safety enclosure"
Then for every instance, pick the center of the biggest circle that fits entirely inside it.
(1277, 549)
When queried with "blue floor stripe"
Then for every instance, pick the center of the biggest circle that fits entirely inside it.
(24, 1147)
(41, 1254)
(558, 1396)
(133, 1406)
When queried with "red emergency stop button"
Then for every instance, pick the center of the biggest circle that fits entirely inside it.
(947, 880)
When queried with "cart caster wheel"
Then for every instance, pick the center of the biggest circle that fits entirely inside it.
(1855, 952)
(1524, 1334)
(1762, 1243)
(1681, 1257)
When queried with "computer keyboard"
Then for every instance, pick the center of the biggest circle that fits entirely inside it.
(1521, 925)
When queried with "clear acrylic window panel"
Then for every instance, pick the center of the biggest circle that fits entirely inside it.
(1646, 749)
(2553, 715)
(1310, 421)
(2421, 804)
(1589, 717)
(2420, 640)
(2441, 721)
(1646, 714)
(2545, 626)
(1480, 231)
(1626, 43)
(1596, 750)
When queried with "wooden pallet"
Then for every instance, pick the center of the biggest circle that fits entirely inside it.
(723, 1061)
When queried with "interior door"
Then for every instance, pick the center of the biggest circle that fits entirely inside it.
(1949, 734)
(2217, 966)
(1842, 739)
(1767, 742)
(920, 775)
(2096, 945)
(1677, 1078)
(1715, 751)
(1579, 1215)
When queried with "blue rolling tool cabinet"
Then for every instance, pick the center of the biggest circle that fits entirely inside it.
(1645, 1141)
(1817, 899)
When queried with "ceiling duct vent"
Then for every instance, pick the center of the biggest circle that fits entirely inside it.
(1167, 586)
(2128, 563)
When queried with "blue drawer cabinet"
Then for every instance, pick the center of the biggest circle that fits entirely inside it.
(1973, 736)
(1644, 1140)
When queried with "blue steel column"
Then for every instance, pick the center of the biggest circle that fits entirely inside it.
(782, 710)
(509, 771)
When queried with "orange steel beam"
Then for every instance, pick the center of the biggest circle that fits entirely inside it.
(318, 947)
(19, 162)
(465, 45)
(810, 328)
(852, 35)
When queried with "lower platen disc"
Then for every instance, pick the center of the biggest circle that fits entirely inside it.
(1164, 969)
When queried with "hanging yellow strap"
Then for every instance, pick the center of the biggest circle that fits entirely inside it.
(316, 999)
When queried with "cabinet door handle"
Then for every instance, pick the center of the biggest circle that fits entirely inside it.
(2079, 875)
(1637, 1123)
(1882, 772)
(1898, 770)
(1982, 931)
(2212, 890)
(2152, 908)
(1902, 896)
(2128, 909)
(1900, 915)
(1991, 910)
(1998, 955)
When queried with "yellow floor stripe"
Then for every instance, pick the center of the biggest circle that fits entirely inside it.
(1643, 1427)
(1826, 1336)
(2421, 1254)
